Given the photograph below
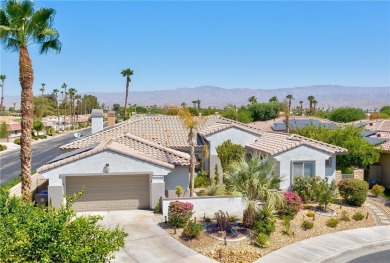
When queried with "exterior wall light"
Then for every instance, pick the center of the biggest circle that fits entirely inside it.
(106, 168)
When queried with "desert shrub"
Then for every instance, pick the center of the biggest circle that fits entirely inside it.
(310, 214)
(3, 147)
(249, 217)
(304, 187)
(215, 189)
(157, 208)
(179, 213)
(201, 193)
(324, 192)
(232, 218)
(179, 190)
(306, 225)
(50, 131)
(347, 170)
(30, 233)
(344, 216)
(264, 223)
(192, 230)
(358, 216)
(287, 224)
(262, 240)
(332, 222)
(17, 141)
(42, 136)
(207, 219)
(353, 191)
(292, 204)
(377, 190)
(376, 115)
(200, 181)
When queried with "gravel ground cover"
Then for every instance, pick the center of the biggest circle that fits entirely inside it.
(244, 251)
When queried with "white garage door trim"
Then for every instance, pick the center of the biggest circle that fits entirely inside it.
(138, 185)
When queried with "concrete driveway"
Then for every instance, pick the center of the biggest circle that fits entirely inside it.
(147, 242)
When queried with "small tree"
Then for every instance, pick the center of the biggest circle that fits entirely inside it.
(3, 130)
(324, 192)
(229, 152)
(179, 190)
(216, 172)
(38, 126)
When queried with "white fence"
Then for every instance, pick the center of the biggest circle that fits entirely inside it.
(208, 205)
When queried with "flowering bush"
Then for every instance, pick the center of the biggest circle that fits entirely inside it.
(292, 204)
(353, 191)
(179, 213)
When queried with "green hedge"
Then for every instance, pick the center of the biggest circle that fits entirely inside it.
(353, 191)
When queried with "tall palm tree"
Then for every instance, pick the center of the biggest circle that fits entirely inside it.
(127, 73)
(311, 99)
(183, 104)
(43, 98)
(2, 78)
(314, 105)
(289, 98)
(194, 103)
(255, 179)
(274, 99)
(301, 102)
(198, 103)
(78, 98)
(252, 99)
(20, 26)
(64, 100)
(191, 124)
(72, 93)
(55, 92)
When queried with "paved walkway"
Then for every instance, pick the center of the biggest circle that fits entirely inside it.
(381, 216)
(328, 248)
(147, 241)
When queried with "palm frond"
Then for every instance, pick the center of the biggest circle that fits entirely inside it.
(52, 44)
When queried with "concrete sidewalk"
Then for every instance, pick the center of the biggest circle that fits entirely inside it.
(328, 248)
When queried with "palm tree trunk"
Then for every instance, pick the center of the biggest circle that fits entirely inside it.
(26, 78)
(42, 105)
(58, 116)
(192, 163)
(2, 97)
(127, 95)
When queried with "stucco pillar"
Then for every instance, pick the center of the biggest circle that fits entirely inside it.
(338, 176)
(157, 189)
(56, 195)
(358, 174)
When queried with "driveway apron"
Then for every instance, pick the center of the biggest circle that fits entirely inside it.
(147, 242)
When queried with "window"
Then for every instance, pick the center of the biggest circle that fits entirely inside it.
(305, 169)
(328, 162)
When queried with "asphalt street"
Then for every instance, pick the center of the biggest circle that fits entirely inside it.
(378, 257)
(41, 153)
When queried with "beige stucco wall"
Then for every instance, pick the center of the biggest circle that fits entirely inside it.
(385, 163)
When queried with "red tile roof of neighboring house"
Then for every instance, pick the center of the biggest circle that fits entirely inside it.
(383, 131)
(14, 126)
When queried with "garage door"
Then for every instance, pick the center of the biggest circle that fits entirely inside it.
(114, 192)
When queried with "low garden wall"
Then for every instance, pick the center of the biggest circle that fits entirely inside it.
(209, 205)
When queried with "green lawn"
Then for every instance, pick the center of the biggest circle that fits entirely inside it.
(11, 184)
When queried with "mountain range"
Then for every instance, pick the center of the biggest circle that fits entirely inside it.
(326, 95)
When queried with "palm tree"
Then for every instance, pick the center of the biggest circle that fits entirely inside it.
(2, 78)
(43, 98)
(314, 105)
(183, 104)
(252, 100)
(194, 103)
(78, 98)
(255, 179)
(72, 93)
(20, 26)
(55, 92)
(127, 73)
(198, 103)
(301, 102)
(191, 124)
(289, 98)
(311, 99)
(64, 101)
(274, 99)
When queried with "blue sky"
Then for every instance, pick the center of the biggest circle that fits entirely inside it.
(260, 45)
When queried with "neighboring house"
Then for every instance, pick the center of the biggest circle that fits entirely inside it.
(378, 131)
(52, 121)
(147, 157)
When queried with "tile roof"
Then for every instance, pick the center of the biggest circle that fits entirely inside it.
(132, 146)
(385, 146)
(274, 143)
(379, 125)
(168, 131)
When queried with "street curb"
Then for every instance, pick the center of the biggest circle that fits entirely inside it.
(354, 249)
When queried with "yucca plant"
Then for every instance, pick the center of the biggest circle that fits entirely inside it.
(215, 189)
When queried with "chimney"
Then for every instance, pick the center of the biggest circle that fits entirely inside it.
(111, 118)
(97, 120)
